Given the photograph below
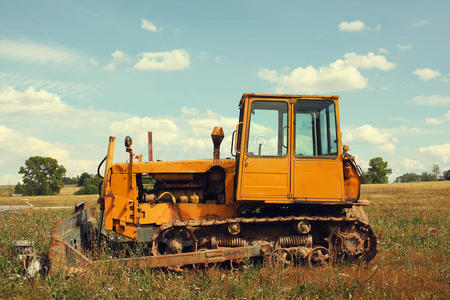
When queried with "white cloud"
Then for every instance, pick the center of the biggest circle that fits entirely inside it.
(187, 136)
(46, 109)
(66, 89)
(30, 101)
(426, 73)
(433, 121)
(421, 22)
(93, 62)
(356, 25)
(434, 100)
(165, 61)
(340, 75)
(378, 27)
(439, 151)
(368, 134)
(147, 25)
(29, 51)
(404, 47)
(15, 144)
(411, 164)
(17, 147)
(189, 111)
(447, 116)
(406, 130)
(118, 57)
(165, 131)
(10, 179)
(369, 61)
(383, 50)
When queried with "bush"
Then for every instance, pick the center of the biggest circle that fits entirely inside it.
(89, 184)
(87, 190)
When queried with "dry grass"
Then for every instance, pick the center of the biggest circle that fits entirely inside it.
(65, 198)
(411, 220)
(5, 190)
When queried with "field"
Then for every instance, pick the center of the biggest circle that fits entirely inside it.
(411, 221)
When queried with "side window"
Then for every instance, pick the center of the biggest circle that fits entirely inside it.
(303, 137)
(268, 131)
(315, 128)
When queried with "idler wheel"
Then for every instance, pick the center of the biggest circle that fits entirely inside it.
(318, 257)
(282, 257)
(174, 240)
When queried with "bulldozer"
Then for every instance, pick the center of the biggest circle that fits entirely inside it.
(288, 194)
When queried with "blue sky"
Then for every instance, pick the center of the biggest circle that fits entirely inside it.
(74, 72)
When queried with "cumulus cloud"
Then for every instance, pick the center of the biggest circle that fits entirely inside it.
(118, 57)
(369, 61)
(164, 61)
(433, 121)
(30, 101)
(19, 144)
(340, 75)
(186, 136)
(30, 51)
(165, 131)
(447, 116)
(426, 73)
(441, 152)
(147, 25)
(356, 25)
(383, 50)
(433, 100)
(368, 134)
(411, 164)
(421, 23)
(17, 147)
(404, 47)
(189, 111)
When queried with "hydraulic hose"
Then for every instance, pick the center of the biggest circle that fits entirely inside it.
(99, 166)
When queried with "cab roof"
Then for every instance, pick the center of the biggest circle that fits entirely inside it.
(286, 96)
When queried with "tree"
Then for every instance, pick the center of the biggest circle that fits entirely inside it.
(89, 184)
(436, 171)
(85, 178)
(428, 177)
(365, 179)
(378, 171)
(446, 175)
(41, 176)
(408, 177)
(71, 180)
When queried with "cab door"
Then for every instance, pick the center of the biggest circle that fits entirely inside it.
(265, 164)
(317, 163)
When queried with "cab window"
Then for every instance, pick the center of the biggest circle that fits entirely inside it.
(268, 131)
(315, 128)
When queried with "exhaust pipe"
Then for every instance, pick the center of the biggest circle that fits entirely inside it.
(217, 137)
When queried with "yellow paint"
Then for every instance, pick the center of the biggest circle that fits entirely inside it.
(168, 212)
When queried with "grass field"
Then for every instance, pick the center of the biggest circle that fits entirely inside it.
(411, 221)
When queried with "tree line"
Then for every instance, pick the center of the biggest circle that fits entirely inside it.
(434, 175)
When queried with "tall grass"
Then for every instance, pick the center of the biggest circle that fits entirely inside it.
(411, 221)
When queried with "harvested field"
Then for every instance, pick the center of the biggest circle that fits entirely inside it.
(65, 198)
(411, 220)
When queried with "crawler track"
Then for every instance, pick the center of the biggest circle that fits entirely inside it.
(327, 239)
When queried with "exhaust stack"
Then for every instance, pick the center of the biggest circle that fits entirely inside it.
(217, 137)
